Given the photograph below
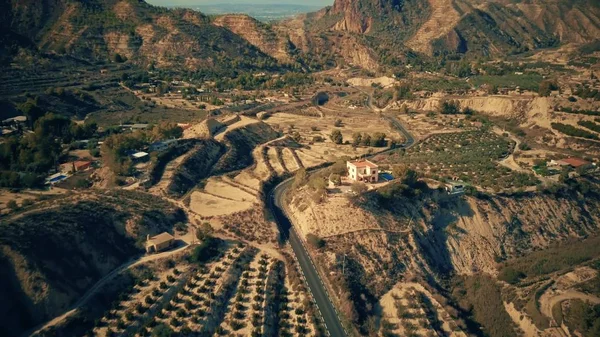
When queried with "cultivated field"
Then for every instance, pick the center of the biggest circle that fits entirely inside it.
(470, 156)
(242, 292)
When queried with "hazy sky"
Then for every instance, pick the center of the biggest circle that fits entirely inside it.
(203, 2)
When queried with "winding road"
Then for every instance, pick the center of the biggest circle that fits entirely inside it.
(321, 297)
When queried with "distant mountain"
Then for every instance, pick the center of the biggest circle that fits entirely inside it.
(127, 29)
(464, 27)
(262, 12)
(367, 33)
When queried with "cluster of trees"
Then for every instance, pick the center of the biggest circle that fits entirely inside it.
(403, 91)
(24, 159)
(583, 318)
(584, 92)
(315, 241)
(248, 81)
(479, 296)
(208, 249)
(559, 257)
(460, 69)
(376, 140)
(590, 125)
(452, 107)
(583, 112)
(546, 87)
(570, 130)
(116, 147)
(336, 137)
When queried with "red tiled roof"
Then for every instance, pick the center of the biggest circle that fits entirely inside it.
(81, 163)
(575, 162)
(363, 163)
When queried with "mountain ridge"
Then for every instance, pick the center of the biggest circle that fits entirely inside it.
(463, 27)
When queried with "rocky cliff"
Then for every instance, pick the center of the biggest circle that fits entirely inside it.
(472, 27)
(436, 234)
(260, 35)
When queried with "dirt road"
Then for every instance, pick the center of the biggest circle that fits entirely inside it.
(547, 302)
(101, 282)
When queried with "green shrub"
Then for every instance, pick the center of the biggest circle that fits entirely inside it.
(315, 241)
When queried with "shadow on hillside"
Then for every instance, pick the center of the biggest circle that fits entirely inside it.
(431, 214)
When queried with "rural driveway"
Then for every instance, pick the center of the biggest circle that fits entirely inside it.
(546, 304)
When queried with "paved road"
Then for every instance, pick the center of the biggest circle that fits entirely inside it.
(328, 311)
(317, 288)
(410, 139)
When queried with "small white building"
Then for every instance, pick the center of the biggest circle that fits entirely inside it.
(455, 187)
(363, 170)
(139, 156)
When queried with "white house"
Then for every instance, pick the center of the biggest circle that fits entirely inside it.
(363, 170)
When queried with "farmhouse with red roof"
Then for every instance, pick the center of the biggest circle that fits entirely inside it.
(363, 170)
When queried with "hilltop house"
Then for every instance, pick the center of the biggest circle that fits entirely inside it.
(363, 170)
(159, 242)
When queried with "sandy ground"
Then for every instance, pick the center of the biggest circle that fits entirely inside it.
(351, 122)
(289, 160)
(562, 290)
(247, 179)
(404, 293)
(420, 125)
(521, 320)
(261, 171)
(309, 159)
(367, 82)
(221, 188)
(273, 159)
(32, 195)
(326, 219)
(547, 302)
(208, 205)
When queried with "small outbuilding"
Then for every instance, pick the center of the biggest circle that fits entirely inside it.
(159, 242)
(455, 187)
(140, 156)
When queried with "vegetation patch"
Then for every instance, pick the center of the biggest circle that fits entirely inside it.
(560, 257)
(570, 130)
(480, 297)
(469, 156)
